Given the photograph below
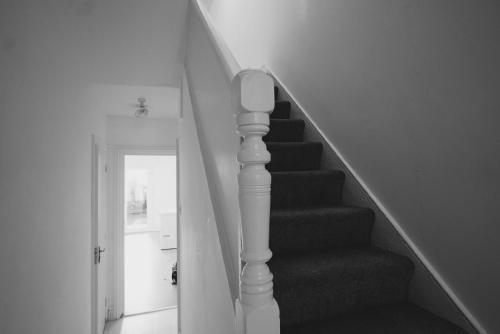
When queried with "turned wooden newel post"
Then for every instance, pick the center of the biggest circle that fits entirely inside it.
(253, 96)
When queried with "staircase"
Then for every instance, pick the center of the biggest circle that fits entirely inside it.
(328, 277)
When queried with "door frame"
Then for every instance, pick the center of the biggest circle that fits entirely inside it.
(116, 216)
(97, 145)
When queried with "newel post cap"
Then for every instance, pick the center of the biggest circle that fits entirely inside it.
(253, 91)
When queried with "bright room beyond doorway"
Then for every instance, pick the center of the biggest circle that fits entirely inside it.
(150, 238)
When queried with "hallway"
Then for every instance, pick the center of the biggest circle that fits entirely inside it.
(148, 274)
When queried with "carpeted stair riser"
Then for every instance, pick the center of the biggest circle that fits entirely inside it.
(294, 156)
(316, 285)
(281, 110)
(285, 130)
(400, 318)
(305, 189)
(328, 279)
(303, 230)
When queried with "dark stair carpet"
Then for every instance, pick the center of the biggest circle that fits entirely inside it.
(328, 278)
(300, 230)
(315, 285)
(285, 130)
(400, 318)
(281, 110)
(303, 189)
(294, 156)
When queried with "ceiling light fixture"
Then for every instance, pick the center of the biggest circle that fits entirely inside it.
(142, 108)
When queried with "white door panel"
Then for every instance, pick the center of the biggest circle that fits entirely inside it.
(168, 230)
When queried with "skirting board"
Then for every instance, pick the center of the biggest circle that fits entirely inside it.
(427, 289)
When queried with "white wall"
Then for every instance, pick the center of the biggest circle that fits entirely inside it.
(132, 131)
(216, 123)
(205, 300)
(46, 126)
(140, 42)
(45, 206)
(50, 52)
(408, 92)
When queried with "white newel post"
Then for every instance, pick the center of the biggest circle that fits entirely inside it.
(257, 311)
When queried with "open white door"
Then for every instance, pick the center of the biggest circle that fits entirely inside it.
(99, 236)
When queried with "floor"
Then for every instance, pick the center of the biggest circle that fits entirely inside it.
(161, 322)
(148, 271)
(136, 220)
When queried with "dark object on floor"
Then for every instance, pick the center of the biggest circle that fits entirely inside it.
(328, 277)
(174, 274)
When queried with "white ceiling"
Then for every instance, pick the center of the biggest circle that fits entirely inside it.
(121, 100)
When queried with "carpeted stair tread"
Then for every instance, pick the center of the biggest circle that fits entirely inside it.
(328, 278)
(285, 130)
(315, 285)
(306, 189)
(281, 110)
(399, 318)
(294, 156)
(302, 230)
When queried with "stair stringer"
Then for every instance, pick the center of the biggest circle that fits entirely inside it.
(427, 289)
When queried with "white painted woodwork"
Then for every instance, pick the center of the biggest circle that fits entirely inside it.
(99, 236)
(250, 95)
(168, 230)
(257, 311)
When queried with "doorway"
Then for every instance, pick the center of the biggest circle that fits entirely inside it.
(149, 232)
